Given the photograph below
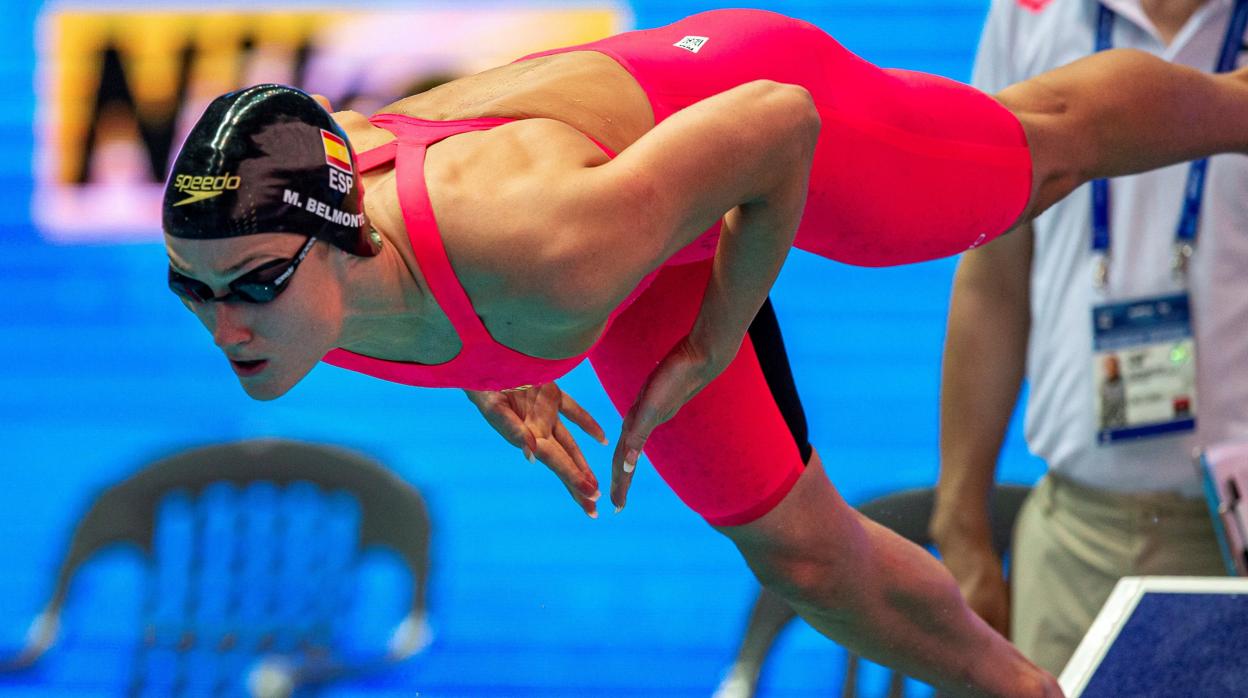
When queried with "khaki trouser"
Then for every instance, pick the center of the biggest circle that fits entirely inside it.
(1071, 545)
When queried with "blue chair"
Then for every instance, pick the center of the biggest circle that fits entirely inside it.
(251, 552)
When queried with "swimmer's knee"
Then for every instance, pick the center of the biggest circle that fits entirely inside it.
(793, 575)
(803, 548)
(801, 574)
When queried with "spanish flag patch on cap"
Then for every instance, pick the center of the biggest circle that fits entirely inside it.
(336, 153)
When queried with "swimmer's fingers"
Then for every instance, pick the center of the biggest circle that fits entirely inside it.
(500, 415)
(584, 492)
(323, 101)
(516, 415)
(565, 439)
(557, 450)
(582, 418)
(683, 373)
(561, 454)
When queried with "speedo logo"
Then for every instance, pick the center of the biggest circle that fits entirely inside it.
(199, 188)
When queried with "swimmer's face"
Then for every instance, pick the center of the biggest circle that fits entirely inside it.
(271, 346)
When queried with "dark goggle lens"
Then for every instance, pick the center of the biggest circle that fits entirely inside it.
(260, 285)
(188, 288)
(256, 286)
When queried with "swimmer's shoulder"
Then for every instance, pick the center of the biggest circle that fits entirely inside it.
(505, 200)
(362, 133)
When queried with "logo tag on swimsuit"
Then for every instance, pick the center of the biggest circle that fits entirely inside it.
(692, 44)
(198, 188)
(336, 153)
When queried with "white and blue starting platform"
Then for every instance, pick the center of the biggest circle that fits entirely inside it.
(1165, 637)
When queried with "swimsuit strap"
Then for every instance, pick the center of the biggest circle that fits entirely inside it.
(376, 157)
(416, 135)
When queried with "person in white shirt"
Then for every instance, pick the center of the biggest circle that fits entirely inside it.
(1148, 269)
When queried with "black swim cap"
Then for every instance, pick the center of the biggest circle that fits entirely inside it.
(267, 159)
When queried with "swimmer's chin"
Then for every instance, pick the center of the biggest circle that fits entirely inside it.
(263, 392)
(262, 380)
(265, 388)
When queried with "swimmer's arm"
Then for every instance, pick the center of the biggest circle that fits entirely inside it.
(742, 156)
(746, 153)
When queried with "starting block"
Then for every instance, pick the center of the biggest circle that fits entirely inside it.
(1165, 637)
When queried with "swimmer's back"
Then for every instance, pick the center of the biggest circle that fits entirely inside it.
(588, 91)
(493, 192)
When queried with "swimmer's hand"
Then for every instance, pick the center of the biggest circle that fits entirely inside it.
(682, 374)
(529, 420)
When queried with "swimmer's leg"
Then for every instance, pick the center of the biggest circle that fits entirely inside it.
(770, 613)
(1121, 112)
(729, 455)
(773, 361)
(878, 594)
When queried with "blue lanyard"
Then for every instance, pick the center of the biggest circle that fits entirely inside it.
(1185, 234)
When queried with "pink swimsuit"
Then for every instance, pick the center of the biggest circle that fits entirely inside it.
(482, 363)
(908, 167)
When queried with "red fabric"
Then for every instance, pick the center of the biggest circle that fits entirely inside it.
(1036, 6)
(908, 167)
(482, 363)
(728, 453)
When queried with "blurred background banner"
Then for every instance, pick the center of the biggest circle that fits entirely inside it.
(119, 89)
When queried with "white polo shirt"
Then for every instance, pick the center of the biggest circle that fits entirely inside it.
(1023, 38)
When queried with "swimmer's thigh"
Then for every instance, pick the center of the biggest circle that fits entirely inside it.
(728, 454)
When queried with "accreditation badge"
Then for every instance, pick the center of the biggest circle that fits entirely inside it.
(1143, 368)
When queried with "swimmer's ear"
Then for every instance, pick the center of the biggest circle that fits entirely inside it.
(324, 102)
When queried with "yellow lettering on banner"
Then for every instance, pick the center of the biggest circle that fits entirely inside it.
(154, 49)
(119, 88)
